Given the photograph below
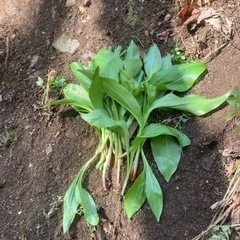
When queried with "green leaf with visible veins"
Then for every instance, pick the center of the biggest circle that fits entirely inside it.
(155, 130)
(132, 52)
(70, 205)
(87, 203)
(135, 196)
(167, 153)
(77, 70)
(79, 94)
(152, 61)
(100, 119)
(195, 104)
(178, 77)
(123, 97)
(109, 64)
(153, 192)
(95, 91)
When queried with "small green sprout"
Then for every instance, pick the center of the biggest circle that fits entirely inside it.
(234, 101)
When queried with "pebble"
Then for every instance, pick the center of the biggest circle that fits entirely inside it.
(36, 62)
(70, 3)
(49, 149)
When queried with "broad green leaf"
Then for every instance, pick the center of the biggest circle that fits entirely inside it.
(139, 77)
(100, 119)
(109, 64)
(167, 153)
(127, 81)
(152, 61)
(155, 130)
(132, 61)
(95, 91)
(79, 94)
(70, 206)
(150, 96)
(153, 192)
(123, 97)
(166, 62)
(133, 66)
(178, 77)
(132, 52)
(135, 196)
(87, 203)
(195, 104)
(77, 69)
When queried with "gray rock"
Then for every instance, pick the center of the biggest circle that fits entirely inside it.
(70, 3)
(65, 44)
(36, 62)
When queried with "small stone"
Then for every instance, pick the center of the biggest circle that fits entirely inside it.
(49, 149)
(167, 18)
(65, 44)
(70, 3)
(208, 161)
(36, 62)
(87, 3)
(1, 98)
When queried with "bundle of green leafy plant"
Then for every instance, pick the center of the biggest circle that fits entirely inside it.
(116, 94)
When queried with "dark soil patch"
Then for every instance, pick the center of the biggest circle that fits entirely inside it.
(31, 180)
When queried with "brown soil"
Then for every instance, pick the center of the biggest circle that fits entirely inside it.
(31, 180)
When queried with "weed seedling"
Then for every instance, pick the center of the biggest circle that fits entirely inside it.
(53, 83)
(234, 101)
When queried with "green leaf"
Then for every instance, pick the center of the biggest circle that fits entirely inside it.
(100, 119)
(70, 205)
(132, 61)
(79, 94)
(154, 130)
(127, 82)
(167, 153)
(95, 91)
(231, 115)
(166, 62)
(132, 52)
(123, 97)
(152, 61)
(135, 196)
(109, 64)
(178, 77)
(133, 66)
(77, 70)
(195, 104)
(87, 203)
(40, 82)
(153, 192)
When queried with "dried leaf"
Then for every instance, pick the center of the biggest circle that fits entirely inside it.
(188, 13)
(215, 22)
(206, 13)
(186, 9)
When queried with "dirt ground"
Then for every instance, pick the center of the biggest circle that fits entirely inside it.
(45, 151)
